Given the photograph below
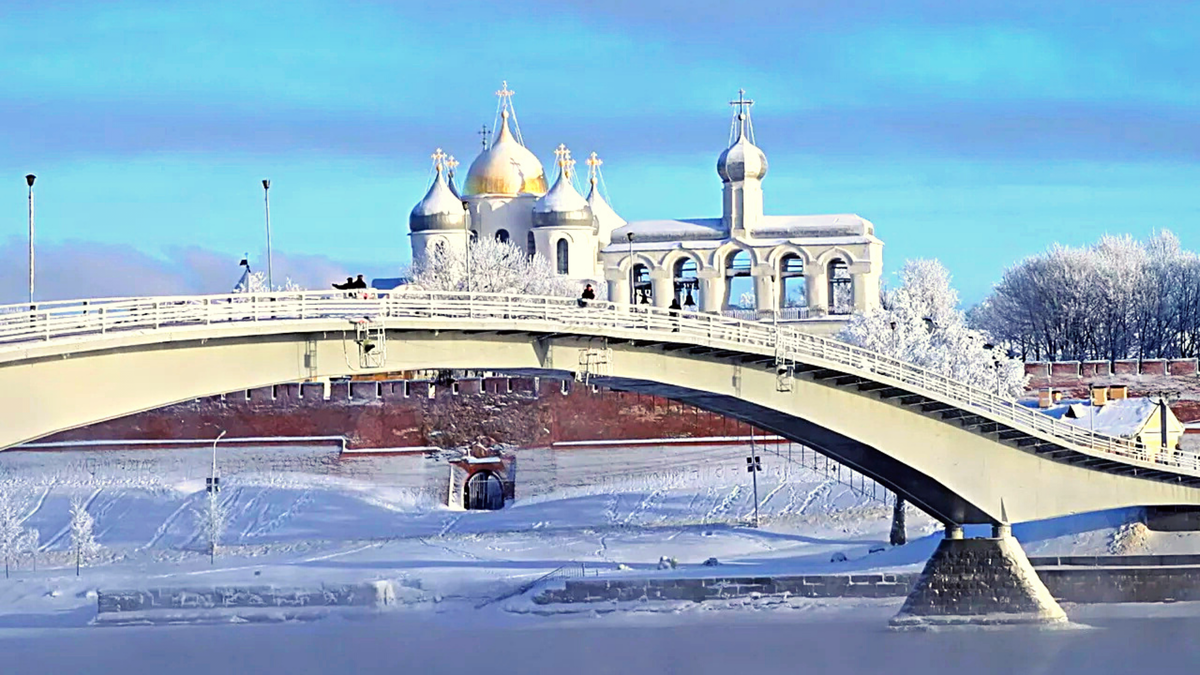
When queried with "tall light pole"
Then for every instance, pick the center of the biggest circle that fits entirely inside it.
(29, 181)
(267, 204)
(212, 483)
(632, 278)
(213, 487)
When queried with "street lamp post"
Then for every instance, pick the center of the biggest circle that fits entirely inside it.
(267, 205)
(632, 278)
(213, 487)
(29, 181)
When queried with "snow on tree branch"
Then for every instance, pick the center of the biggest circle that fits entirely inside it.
(490, 266)
(82, 540)
(919, 322)
(256, 282)
(1116, 299)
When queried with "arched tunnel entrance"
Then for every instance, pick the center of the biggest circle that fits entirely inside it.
(483, 491)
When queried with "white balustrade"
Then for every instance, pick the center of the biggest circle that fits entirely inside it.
(20, 324)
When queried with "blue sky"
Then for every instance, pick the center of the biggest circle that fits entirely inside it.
(974, 132)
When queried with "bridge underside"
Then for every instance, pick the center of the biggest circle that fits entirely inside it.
(960, 473)
(923, 491)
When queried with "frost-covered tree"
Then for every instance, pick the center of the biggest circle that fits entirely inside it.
(10, 530)
(919, 322)
(30, 543)
(490, 266)
(213, 523)
(82, 539)
(256, 282)
(1118, 298)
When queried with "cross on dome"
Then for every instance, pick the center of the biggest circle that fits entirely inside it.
(743, 104)
(505, 93)
(742, 126)
(506, 111)
(565, 163)
(484, 133)
(451, 164)
(439, 160)
(593, 162)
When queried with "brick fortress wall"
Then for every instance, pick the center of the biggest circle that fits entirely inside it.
(1144, 377)
(526, 412)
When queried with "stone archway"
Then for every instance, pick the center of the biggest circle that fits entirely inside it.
(483, 491)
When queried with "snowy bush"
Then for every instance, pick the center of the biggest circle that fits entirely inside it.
(746, 300)
(1116, 299)
(490, 266)
(82, 539)
(920, 323)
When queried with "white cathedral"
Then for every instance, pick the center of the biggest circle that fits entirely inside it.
(811, 270)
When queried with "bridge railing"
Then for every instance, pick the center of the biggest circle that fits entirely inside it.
(21, 325)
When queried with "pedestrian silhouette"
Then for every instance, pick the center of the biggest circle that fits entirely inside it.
(346, 286)
(588, 294)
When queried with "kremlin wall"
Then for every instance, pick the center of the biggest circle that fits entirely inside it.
(421, 413)
(524, 411)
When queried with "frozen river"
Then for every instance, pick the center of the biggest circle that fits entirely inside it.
(721, 642)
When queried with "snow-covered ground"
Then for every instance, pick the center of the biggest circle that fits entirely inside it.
(302, 516)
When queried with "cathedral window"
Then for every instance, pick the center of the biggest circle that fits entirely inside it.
(561, 252)
(793, 294)
(740, 294)
(841, 289)
(531, 244)
(502, 236)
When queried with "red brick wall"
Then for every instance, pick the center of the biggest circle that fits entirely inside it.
(380, 415)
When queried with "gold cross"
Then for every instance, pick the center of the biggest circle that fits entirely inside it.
(505, 92)
(563, 154)
(451, 164)
(438, 158)
(593, 163)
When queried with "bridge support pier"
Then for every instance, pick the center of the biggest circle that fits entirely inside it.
(984, 581)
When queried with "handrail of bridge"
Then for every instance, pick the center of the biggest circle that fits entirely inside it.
(23, 324)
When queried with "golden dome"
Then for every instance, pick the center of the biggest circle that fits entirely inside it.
(506, 168)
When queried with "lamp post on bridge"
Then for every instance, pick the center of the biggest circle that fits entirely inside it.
(29, 179)
(632, 279)
(267, 206)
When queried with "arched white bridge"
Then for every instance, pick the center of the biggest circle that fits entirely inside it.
(962, 454)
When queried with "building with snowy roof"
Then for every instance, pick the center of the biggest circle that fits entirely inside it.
(1108, 412)
(811, 269)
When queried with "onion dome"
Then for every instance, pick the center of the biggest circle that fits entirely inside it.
(439, 210)
(505, 168)
(562, 206)
(743, 160)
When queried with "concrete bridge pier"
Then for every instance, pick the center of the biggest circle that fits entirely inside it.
(982, 581)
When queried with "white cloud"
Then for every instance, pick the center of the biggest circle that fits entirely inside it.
(87, 269)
